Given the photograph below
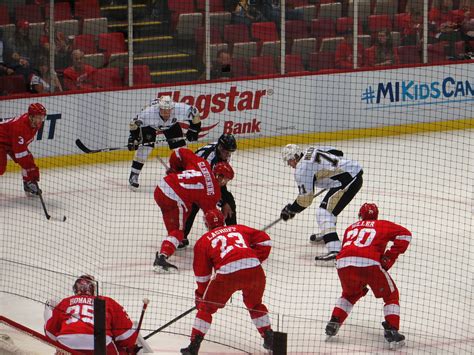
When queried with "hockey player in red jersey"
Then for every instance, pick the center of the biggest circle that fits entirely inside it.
(15, 136)
(363, 261)
(235, 254)
(71, 322)
(189, 180)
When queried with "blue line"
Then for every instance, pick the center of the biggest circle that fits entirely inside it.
(418, 104)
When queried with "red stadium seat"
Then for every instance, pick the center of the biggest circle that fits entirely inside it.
(87, 9)
(409, 54)
(344, 24)
(262, 65)
(264, 31)
(12, 84)
(214, 5)
(86, 43)
(323, 27)
(30, 13)
(108, 78)
(436, 52)
(293, 63)
(296, 29)
(236, 33)
(62, 11)
(239, 68)
(379, 22)
(112, 43)
(322, 61)
(200, 36)
(141, 75)
(4, 17)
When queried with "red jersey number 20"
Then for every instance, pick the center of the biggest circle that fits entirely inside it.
(360, 237)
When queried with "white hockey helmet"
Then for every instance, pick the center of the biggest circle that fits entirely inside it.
(291, 151)
(165, 103)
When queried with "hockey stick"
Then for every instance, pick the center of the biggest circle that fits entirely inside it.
(48, 217)
(87, 150)
(145, 305)
(268, 226)
(170, 322)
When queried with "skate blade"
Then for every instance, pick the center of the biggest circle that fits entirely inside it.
(396, 345)
(161, 270)
(132, 188)
(325, 263)
(329, 338)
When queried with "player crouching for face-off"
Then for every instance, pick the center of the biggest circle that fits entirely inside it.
(325, 168)
(363, 261)
(189, 180)
(235, 253)
(15, 136)
(71, 321)
(162, 115)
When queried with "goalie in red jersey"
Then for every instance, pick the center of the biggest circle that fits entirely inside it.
(363, 261)
(15, 136)
(189, 180)
(71, 321)
(235, 253)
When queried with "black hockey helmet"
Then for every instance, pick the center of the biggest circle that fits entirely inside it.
(227, 141)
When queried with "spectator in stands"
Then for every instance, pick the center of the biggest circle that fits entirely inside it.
(159, 9)
(247, 12)
(271, 10)
(382, 52)
(450, 33)
(20, 45)
(345, 55)
(62, 48)
(4, 69)
(79, 76)
(412, 28)
(467, 32)
(44, 81)
(221, 68)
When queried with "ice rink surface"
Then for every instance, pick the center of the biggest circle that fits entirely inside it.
(422, 181)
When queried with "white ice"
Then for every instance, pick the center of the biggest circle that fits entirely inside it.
(422, 181)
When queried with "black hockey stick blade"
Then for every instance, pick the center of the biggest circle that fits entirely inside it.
(82, 147)
(48, 216)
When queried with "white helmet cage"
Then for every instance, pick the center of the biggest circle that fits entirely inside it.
(290, 151)
(165, 103)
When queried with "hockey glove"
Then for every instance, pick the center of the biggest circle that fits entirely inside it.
(33, 174)
(32, 188)
(134, 140)
(388, 259)
(287, 213)
(193, 132)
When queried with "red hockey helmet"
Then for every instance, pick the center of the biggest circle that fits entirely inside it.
(36, 109)
(213, 219)
(84, 285)
(225, 169)
(368, 211)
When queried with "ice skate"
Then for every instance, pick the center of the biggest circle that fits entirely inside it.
(193, 348)
(316, 238)
(183, 244)
(393, 337)
(133, 182)
(268, 339)
(161, 265)
(332, 328)
(328, 259)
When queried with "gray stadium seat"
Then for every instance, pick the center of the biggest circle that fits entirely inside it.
(94, 26)
(187, 25)
(332, 10)
(36, 30)
(245, 50)
(96, 60)
(303, 47)
(68, 27)
(220, 19)
(272, 48)
(330, 44)
(214, 48)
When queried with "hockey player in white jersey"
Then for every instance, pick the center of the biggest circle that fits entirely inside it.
(162, 115)
(325, 168)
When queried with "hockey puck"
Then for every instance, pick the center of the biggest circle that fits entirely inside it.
(64, 218)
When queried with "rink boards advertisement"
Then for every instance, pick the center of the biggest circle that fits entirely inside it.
(254, 109)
